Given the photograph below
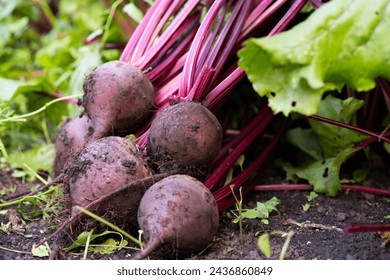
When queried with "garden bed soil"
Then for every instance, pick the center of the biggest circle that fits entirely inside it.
(317, 233)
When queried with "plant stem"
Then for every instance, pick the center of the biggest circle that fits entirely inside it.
(109, 224)
(140, 232)
(367, 227)
(87, 244)
(109, 20)
(285, 245)
(227, 38)
(194, 52)
(255, 19)
(146, 36)
(247, 130)
(47, 11)
(27, 197)
(176, 28)
(22, 118)
(39, 177)
(307, 187)
(131, 45)
(20, 197)
(3, 150)
(212, 181)
(379, 137)
(217, 95)
(385, 86)
(239, 210)
(288, 17)
(170, 63)
(126, 23)
(14, 251)
(316, 3)
(57, 95)
(259, 15)
(223, 197)
(374, 98)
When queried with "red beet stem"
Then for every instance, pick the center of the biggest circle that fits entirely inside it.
(368, 227)
(307, 187)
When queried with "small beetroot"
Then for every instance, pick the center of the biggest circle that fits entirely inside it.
(184, 137)
(71, 138)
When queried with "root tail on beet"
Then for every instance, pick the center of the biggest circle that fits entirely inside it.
(74, 219)
(149, 248)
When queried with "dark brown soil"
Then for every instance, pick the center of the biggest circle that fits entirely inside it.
(317, 232)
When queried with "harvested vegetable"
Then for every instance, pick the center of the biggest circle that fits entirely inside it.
(184, 137)
(71, 138)
(101, 167)
(118, 97)
(178, 212)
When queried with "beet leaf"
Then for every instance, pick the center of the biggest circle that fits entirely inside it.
(343, 42)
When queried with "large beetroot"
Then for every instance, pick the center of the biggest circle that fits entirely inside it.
(117, 98)
(103, 166)
(180, 212)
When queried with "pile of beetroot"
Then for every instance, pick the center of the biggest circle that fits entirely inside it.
(95, 161)
(148, 151)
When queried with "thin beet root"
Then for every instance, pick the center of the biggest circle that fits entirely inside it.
(180, 212)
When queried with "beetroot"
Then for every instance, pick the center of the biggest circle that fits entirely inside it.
(118, 97)
(184, 137)
(71, 138)
(180, 212)
(103, 166)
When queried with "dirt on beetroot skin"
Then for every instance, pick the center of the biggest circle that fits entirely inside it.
(316, 233)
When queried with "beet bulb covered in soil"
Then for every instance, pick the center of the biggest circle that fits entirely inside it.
(118, 97)
(184, 137)
(179, 213)
(101, 167)
(71, 138)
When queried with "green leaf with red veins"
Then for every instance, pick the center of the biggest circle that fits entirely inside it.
(345, 42)
(333, 138)
(328, 145)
